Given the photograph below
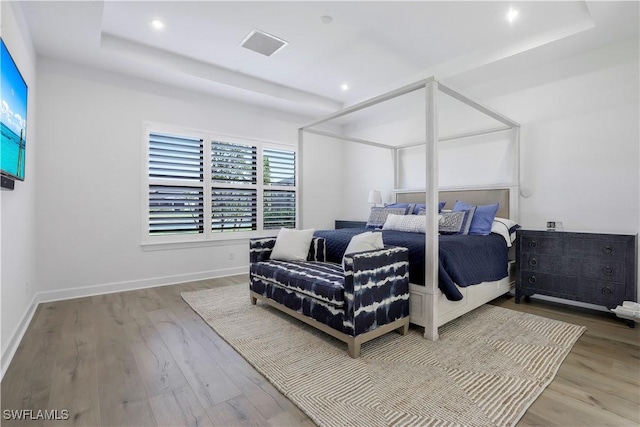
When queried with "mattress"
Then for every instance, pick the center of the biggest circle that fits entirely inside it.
(463, 260)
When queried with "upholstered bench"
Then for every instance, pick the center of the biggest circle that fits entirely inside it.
(367, 298)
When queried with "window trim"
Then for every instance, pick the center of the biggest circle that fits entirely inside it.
(208, 237)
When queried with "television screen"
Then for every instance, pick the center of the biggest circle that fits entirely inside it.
(13, 117)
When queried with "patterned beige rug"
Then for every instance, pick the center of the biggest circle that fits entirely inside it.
(486, 370)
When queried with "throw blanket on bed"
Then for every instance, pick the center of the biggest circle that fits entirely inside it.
(464, 260)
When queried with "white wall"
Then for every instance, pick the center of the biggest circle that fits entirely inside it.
(362, 174)
(481, 160)
(322, 170)
(17, 207)
(91, 169)
(579, 142)
(583, 170)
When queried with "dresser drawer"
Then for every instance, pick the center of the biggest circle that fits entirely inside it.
(576, 246)
(608, 271)
(546, 244)
(548, 263)
(592, 291)
(586, 247)
(604, 271)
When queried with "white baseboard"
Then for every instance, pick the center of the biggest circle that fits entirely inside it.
(16, 336)
(107, 288)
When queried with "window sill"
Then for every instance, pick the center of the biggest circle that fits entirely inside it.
(222, 241)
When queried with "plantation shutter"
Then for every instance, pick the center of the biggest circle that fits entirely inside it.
(175, 210)
(234, 194)
(176, 198)
(174, 157)
(201, 186)
(279, 199)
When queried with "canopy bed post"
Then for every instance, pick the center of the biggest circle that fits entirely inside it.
(396, 168)
(299, 183)
(429, 307)
(431, 186)
(516, 214)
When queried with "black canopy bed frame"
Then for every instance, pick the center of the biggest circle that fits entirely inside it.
(429, 308)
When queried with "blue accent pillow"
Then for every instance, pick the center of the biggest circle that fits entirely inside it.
(482, 218)
(422, 207)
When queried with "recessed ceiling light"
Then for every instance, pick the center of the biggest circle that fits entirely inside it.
(344, 86)
(157, 24)
(512, 15)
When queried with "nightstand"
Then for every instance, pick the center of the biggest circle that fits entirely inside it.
(343, 223)
(594, 268)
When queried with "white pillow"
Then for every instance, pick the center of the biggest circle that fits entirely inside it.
(292, 245)
(502, 226)
(408, 223)
(367, 241)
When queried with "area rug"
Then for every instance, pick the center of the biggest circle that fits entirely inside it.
(486, 369)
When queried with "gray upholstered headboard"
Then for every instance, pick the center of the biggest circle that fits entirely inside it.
(474, 197)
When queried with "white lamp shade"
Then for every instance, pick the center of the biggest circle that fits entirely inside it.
(374, 197)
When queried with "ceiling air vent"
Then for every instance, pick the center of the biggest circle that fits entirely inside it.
(261, 42)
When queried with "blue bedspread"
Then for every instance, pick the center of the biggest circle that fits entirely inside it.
(464, 260)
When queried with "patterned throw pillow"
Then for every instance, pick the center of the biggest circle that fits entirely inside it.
(378, 216)
(408, 223)
(457, 222)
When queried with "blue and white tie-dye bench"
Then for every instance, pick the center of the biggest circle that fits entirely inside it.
(366, 299)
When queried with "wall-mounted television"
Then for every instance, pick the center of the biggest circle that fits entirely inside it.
(13, 117)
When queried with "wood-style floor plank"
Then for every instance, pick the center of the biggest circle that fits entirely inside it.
(144, 357)
(158, 369)
(74, 380)
(30, 387)
(237, 411)
(599, 381)
(179, 408)
(209, 382)
(123, 398)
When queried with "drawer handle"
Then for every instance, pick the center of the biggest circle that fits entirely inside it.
(607, 250)
(533, 244)
(608, 271)
(533, 262)
(606, 291)
(532, 279)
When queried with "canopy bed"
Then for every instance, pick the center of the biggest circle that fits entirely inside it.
(429, 306)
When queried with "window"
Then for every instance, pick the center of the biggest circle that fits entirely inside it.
(279, 193)
(234, 193)
(175, 185)
(243, 188)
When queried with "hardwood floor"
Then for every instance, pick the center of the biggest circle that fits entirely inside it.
(598, 383)
(145, 358)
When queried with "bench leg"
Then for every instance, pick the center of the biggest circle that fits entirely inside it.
(354, 347)
(404, 329)
(254, 300)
